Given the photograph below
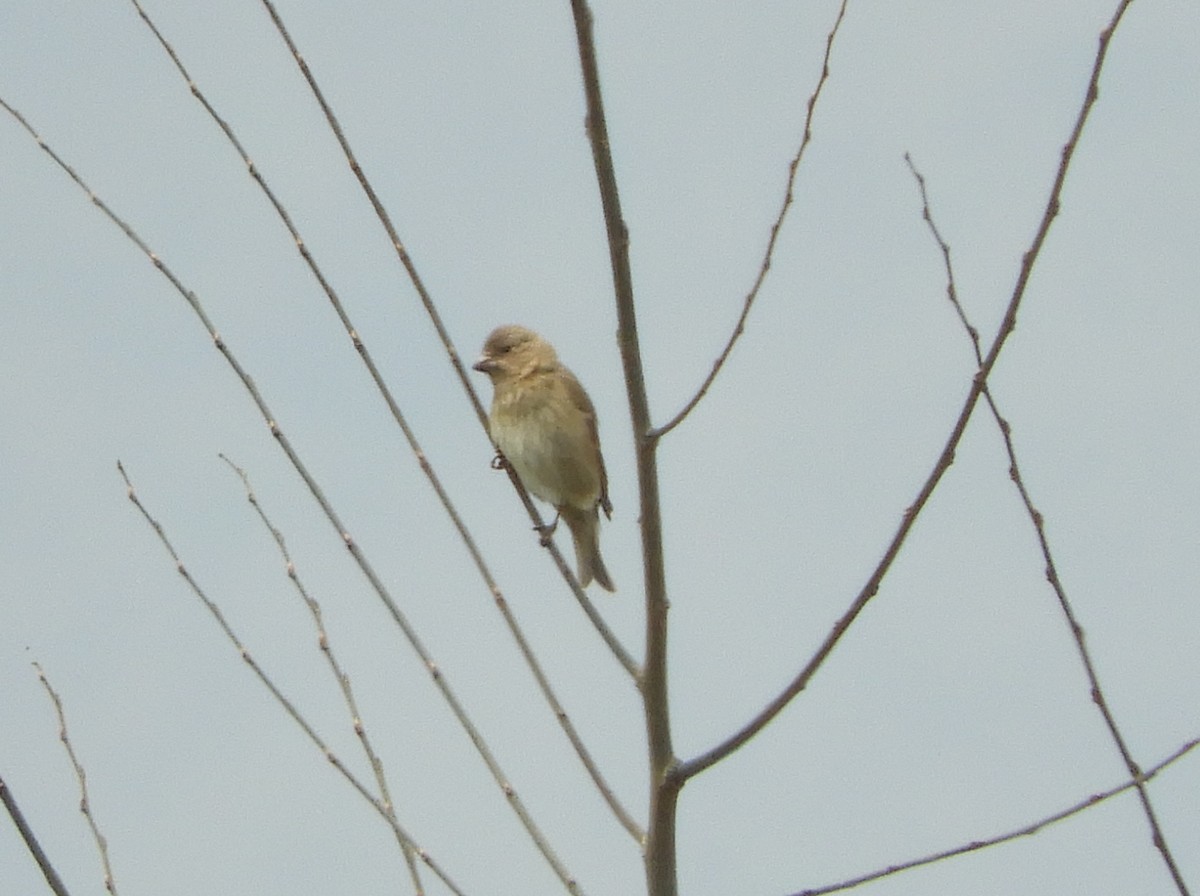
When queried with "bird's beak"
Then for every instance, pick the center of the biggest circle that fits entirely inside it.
(484, 364)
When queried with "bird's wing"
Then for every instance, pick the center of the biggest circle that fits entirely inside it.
(580, 399)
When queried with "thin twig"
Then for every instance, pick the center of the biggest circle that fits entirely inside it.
(381, 212)
(31, 841)
(951, 286)
(215, 611)
(335, 667)
(85, 803)
(1026, 831)
(946, 457)
(1038, 521)
(765, 266)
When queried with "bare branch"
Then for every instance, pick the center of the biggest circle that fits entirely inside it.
(385, 811)
(1039, 527)
(415, 643)
(765, 266)
(35, 848)
(946, 457)
(1027, 831)
(331, 515)
(560, 714)
(386, 803)
(381, 212)
(659, 850)
(85, 803)
(360, 347)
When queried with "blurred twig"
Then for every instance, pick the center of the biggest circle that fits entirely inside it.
(31, 842)
(85, 803)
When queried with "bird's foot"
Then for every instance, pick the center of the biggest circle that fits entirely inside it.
(546, 531)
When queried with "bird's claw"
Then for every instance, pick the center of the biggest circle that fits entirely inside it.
(546, 531)
(499, 462)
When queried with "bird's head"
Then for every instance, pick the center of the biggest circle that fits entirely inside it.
(512, 351)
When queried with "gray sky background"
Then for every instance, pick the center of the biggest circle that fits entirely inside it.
(954, 710)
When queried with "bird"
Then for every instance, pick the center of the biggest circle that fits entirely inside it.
(544, 427)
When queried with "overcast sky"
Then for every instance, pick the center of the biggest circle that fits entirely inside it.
(955, 709)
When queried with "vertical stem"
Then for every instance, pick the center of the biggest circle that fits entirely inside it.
(660, 833)
(664, 785)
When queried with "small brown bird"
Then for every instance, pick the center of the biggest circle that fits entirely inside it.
(544, 425)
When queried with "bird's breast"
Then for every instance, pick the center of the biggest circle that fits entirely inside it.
(549, 446)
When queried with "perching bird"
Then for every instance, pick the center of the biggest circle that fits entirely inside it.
(544, 425)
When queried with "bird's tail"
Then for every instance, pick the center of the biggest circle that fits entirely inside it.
(585, 532)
